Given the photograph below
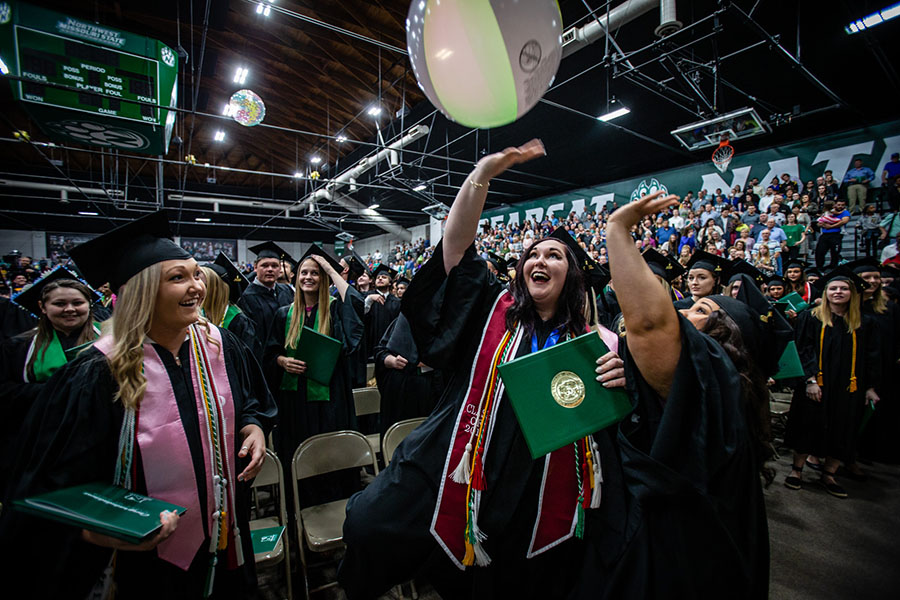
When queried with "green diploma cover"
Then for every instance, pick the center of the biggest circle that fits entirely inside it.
(320, 353)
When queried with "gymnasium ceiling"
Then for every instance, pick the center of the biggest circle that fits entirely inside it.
(320, 65)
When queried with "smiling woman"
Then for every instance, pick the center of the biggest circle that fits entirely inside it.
(171, 405)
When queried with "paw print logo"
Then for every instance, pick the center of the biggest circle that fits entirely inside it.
(648, 188)
(168, 56)
(5, 13)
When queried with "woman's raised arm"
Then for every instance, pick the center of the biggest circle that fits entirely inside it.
(462, 223)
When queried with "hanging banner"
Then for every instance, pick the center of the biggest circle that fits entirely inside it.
(802, 161)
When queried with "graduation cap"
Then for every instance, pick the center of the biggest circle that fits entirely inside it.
(765, 331)
(384, 268)
(740, 266)
(402, 280)
(315, 250)
(709, 262)
(814, 271)
(776, 280)
(356, 265)
(30, 297)
(890, 271)
(795, 264)
(665, 266)
(120, 254)
(230, 274)
(271, 250)
(842, 273)
(864, 265)
(595, 275)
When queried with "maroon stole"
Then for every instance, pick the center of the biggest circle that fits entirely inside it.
(454, 523)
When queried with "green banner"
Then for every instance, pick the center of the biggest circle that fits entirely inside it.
(802, 161)
(103, 68)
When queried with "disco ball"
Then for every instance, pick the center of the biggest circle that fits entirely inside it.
(247, 108)
(484, 64)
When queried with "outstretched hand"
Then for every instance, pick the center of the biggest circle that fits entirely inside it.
(631, 214)
(495, 164)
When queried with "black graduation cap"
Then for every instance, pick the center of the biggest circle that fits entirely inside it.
(738, 267)
(890, 271)
(842, 273)
(765, 331)
(499, 263)
(120, 254)
(775, 280)
(271, 250)
(814, 271)
(356, 265)
(230, 274)
(402, 280)
(31, 296)
(795, 264)
(596, 275)
(665, 266)
(864, 265)
(709, 262)
(314, 249)
(382, 268)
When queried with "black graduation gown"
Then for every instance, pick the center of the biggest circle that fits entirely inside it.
(70, 437)
(243, 328)
(299, 419)
(830, 427)
(696, 525)
(14, 319)
(260, 303)
(387, 526)
(377, 320)
(405, 393)
(17, 395)
(358, 358)
(684, 303)
(880, 440)
(101, 313)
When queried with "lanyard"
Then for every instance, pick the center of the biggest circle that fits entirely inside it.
(551, 339)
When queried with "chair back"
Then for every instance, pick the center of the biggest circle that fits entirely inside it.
(334, 451)
(271, 473)
(396, 434)
(370, 371)
(367, 401)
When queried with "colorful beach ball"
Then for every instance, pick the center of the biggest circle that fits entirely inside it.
(484, 63)
(247, 108)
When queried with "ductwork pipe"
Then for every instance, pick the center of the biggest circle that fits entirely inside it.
(576, 38)
(668, 21)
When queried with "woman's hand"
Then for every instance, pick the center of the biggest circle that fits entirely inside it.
(325, 267)
(872, 397)
(629, 215)
(494, 164)
(813, 391)
(291, 365)
(611, 370)
(395, 362)
(169, 522)
(254, 444)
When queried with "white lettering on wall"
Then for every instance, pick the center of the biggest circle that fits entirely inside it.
(790, 165)
(839, 158)
(599, 202)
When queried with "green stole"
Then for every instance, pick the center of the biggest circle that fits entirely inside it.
(49, 360)
(315, 392)
(230, 313)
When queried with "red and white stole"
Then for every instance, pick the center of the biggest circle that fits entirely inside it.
(454, 523)
(166, 456)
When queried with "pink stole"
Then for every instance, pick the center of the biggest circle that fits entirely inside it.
(166, 456)
(557, 509)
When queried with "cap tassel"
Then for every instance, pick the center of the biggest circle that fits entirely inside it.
(852, 387)
(579, 524)
(478, 474)
(461, 473)
(820, 381)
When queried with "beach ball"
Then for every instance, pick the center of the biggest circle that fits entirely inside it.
(484, 63)
(247, 108)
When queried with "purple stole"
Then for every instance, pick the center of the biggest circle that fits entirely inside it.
(166, 456)
(558, 502)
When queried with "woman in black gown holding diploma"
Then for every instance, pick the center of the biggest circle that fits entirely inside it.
(471, 512)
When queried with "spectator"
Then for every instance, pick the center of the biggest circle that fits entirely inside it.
(869, 223)
(890, 179)
(707, 214)
(764, 261)
(857, 181)
(795, 235)
(775, 234)
(767, 199)
(665, 231)
(687, 239)
(832, 233)
(832, 187)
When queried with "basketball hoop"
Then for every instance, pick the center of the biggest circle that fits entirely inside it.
(721, 156)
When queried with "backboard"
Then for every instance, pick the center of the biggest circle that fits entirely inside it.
(736, 125)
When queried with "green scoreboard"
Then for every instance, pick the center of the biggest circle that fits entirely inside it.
(102, 69)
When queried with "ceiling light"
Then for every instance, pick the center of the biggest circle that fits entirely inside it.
(615, 113)
(228, 110)
(876, 18)
(374, 206)
(298, 174)
(87, 213)
(220, 136)
(340, 139)
(3, 68)
(419, 187)
(240, 75)
(203, 219)
(260, 8)
(267, 11)
(315, 160)
(374, 111)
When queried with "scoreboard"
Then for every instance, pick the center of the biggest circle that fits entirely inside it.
(102, 68)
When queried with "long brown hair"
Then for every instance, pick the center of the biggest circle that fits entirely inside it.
(299, 313)
(43, 333)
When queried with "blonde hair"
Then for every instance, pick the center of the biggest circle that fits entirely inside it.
(217, 296)
(853, 317)
(879, 302)
(299, 312)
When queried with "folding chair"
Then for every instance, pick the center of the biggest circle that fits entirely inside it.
(370, 371)
(321, 527)
(396, 434)
(779, 407)
(271, 475)
(368, 402)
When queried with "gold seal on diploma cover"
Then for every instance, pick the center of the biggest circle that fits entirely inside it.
(567, 389)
